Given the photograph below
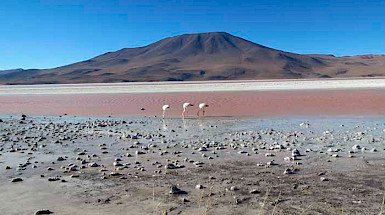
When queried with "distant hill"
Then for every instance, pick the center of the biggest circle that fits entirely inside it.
(203, 56)
(8, 71)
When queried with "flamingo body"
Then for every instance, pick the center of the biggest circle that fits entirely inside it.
(164, 108)
(185, 107)
(202, 107)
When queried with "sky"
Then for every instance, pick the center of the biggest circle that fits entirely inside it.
(51, 33)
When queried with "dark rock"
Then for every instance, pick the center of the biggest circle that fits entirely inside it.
(16, 180)
(43, 212)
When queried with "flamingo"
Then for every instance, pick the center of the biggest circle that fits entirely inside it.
(202, 107)
(185, 106)
(165, 107)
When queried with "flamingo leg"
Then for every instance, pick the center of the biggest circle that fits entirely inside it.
(198, 112)
(184, 110)
(163, 113)
(203, 112)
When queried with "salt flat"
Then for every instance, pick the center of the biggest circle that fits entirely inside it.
(202, 86)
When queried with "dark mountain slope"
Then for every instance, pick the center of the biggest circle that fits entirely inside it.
(205, 56)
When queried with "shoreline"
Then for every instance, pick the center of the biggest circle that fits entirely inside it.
(224, 166)
(204, 86)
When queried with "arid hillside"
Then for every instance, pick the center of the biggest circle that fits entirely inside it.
(203, 56)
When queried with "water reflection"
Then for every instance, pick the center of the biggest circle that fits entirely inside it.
(185, 125)
(164, 125)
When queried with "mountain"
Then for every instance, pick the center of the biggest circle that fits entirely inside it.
(8, 71)
(203, 56)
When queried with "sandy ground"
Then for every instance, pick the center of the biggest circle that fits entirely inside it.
(240, 164)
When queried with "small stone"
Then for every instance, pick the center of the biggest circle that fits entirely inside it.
(271, 163)
(53, 179)
(238, 201)
(295, 152)
(117, 164)
(199, 186)
(170, 166)
(140, 152)
(115, 174)
(93, 164)
(324, 179)
(16, 180)
(175, 190)
(39, 212)
(60, 159)
(202, 149)
(73, 168)
(233, 188)
(254, 191)
(288, 171)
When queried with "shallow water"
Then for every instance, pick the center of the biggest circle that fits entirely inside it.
(271, 104)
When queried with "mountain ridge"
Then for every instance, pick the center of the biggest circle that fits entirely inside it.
(201, 56)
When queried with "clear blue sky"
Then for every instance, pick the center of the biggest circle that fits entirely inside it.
(50, 33)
